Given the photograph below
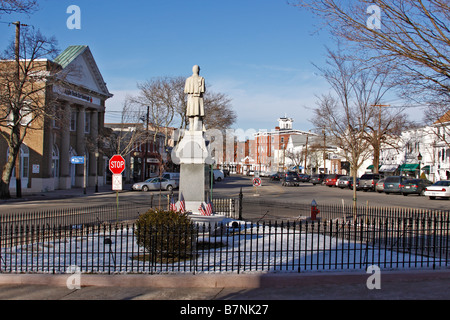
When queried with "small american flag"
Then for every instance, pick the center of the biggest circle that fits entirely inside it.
(209, 208)
(172, 206)
(203, 210)
(182, 204)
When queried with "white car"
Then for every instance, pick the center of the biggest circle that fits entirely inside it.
(155, 184)
(218, 175)
(438, 189)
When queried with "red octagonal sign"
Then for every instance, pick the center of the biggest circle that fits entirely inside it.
(117, 164)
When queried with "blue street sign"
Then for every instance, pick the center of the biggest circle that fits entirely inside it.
(77, 160)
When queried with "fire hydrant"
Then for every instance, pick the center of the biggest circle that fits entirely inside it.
(314, 210)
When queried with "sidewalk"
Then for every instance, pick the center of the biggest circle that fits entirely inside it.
(64, 194)
(395, 285)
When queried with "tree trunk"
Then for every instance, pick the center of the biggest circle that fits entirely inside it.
(354, 175)
(6, 175)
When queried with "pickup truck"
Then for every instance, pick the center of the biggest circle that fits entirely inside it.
(368, 181)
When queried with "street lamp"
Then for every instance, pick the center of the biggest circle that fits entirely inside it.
(96, 170)
(419, 157)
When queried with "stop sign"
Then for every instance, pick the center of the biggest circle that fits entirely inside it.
(117, 164)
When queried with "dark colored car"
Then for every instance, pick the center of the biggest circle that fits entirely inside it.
(331, 179)
(350, 184)
(290, 179)
(276, 176)
(304, 177)
(394, 184)
(415, 186)
(317, 178)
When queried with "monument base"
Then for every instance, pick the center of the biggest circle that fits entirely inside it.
(194, 185)
(207, 223)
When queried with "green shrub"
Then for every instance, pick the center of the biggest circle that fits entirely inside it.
(167, 236)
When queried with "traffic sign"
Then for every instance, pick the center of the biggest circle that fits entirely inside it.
(117, 182)
(77, 160)
(117, 164)
(257, 182)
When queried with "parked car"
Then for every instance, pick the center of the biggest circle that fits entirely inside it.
(343, 182)
(304, 177)
(415, 186)
(155, 184)
(379, 186)
(250, 173)
(317, 178)
(218, 175)
(350, 184)
(276, 176)
(290, 179)
(331, 179)
(394, 184)
(368, 181)
(438, 189)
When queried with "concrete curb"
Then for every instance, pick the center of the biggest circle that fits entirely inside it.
(249, 281)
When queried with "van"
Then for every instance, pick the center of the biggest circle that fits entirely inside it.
(172, 176)
(394, 184)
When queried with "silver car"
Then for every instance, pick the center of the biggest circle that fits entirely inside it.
(155, 184)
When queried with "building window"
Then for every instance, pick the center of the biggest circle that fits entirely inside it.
(73, 121)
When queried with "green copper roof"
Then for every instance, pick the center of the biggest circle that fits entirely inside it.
(68, 55)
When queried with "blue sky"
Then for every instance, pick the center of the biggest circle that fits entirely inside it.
(258, 52)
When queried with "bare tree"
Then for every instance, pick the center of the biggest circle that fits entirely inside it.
(24, 99)
(123, 138)
(414, 35)
(17, 6)
(296, 158)
(346, 113)
(160, 100)
(166, 101)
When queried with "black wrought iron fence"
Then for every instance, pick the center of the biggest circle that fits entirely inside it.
(233, 247)
(88, 215)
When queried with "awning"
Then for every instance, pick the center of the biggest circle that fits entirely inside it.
(388, 168)
(427, 168)
(409, 167)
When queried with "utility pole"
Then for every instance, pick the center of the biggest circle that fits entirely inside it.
(324, 147)
(306, 152)
(144, 163)
(16, 111)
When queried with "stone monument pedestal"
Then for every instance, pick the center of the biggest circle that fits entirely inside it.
(193, 155)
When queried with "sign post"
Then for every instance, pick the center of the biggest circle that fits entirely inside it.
(80, 160)
(117, 166)
(256, 183)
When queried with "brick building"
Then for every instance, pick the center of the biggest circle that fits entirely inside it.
(79, 97)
